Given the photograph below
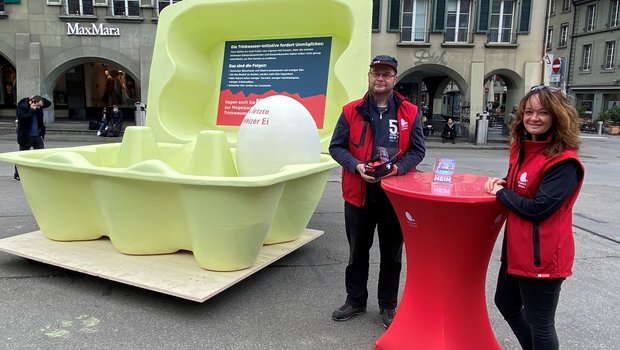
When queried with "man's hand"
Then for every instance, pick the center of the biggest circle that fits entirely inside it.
(361, 169)
(393, 172)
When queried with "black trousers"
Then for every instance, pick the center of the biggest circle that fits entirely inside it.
(528, 305)
(35, 142)
(360, 224)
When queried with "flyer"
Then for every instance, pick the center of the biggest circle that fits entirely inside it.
(443, 169)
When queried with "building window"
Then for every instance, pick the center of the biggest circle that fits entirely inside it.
(376, 15)
(549, 38)
(590, 18)
(393, 17)
(126, 8)
(586, 58)
(79, 7)
(610, 54)
(614, 14)
(457, 21)
(501, 21)
(414, 21)
(161, 4)
(1, 5)
(551, 7)
(566, 5)
(563, 35)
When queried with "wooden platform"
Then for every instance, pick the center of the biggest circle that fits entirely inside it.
(176, 274)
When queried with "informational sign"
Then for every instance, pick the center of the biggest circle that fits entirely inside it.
(547, 62)
(255, 69)
(556, 70)
(443, 169)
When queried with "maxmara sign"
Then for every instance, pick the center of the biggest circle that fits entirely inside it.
(94, 29)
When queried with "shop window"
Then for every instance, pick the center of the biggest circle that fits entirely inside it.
(8, 84)
(161, 4)
(584, 104)
(126, 8)
(79, 7)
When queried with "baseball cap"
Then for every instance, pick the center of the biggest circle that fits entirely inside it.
(384, 59)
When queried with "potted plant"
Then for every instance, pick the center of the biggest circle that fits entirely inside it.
(611, 118)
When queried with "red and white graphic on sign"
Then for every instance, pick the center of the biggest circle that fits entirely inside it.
(555, 67)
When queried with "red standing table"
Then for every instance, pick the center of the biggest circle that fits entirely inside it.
(449, 233)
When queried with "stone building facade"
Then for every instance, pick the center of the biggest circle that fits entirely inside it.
(457, 58)
(583, 36)
(78, 53)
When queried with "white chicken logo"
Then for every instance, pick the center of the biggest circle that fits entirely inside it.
(523, 180)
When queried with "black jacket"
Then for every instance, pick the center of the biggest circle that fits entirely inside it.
(25, 115)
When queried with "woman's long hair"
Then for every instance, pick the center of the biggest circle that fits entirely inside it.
(565, 120)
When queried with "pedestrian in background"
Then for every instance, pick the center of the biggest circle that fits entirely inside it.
(103, 125)
(508, 118)
(382, 118)
(115, 123)
(449, 132)
(544, 178)
(30, 124)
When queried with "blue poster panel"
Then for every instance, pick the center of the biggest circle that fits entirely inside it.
(255, 69)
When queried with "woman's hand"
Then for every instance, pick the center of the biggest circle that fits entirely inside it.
(494, 184)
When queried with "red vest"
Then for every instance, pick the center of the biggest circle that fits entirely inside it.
(360, 144)
(543, 249)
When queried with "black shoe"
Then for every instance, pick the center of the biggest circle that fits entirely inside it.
(347, 311)
(15, 177)
(387, 316)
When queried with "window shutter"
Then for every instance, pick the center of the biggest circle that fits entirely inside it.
(394, 18)
(525, 17)
(376, 15)
(484, 8)
(439, 16)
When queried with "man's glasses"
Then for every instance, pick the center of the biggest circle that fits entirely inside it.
(383, 75)
(545, 87)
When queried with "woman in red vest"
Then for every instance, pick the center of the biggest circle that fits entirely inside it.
(544, 178)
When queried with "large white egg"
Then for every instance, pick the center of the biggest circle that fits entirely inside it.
(276, 131)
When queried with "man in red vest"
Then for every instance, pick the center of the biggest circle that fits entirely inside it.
(382, 120)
